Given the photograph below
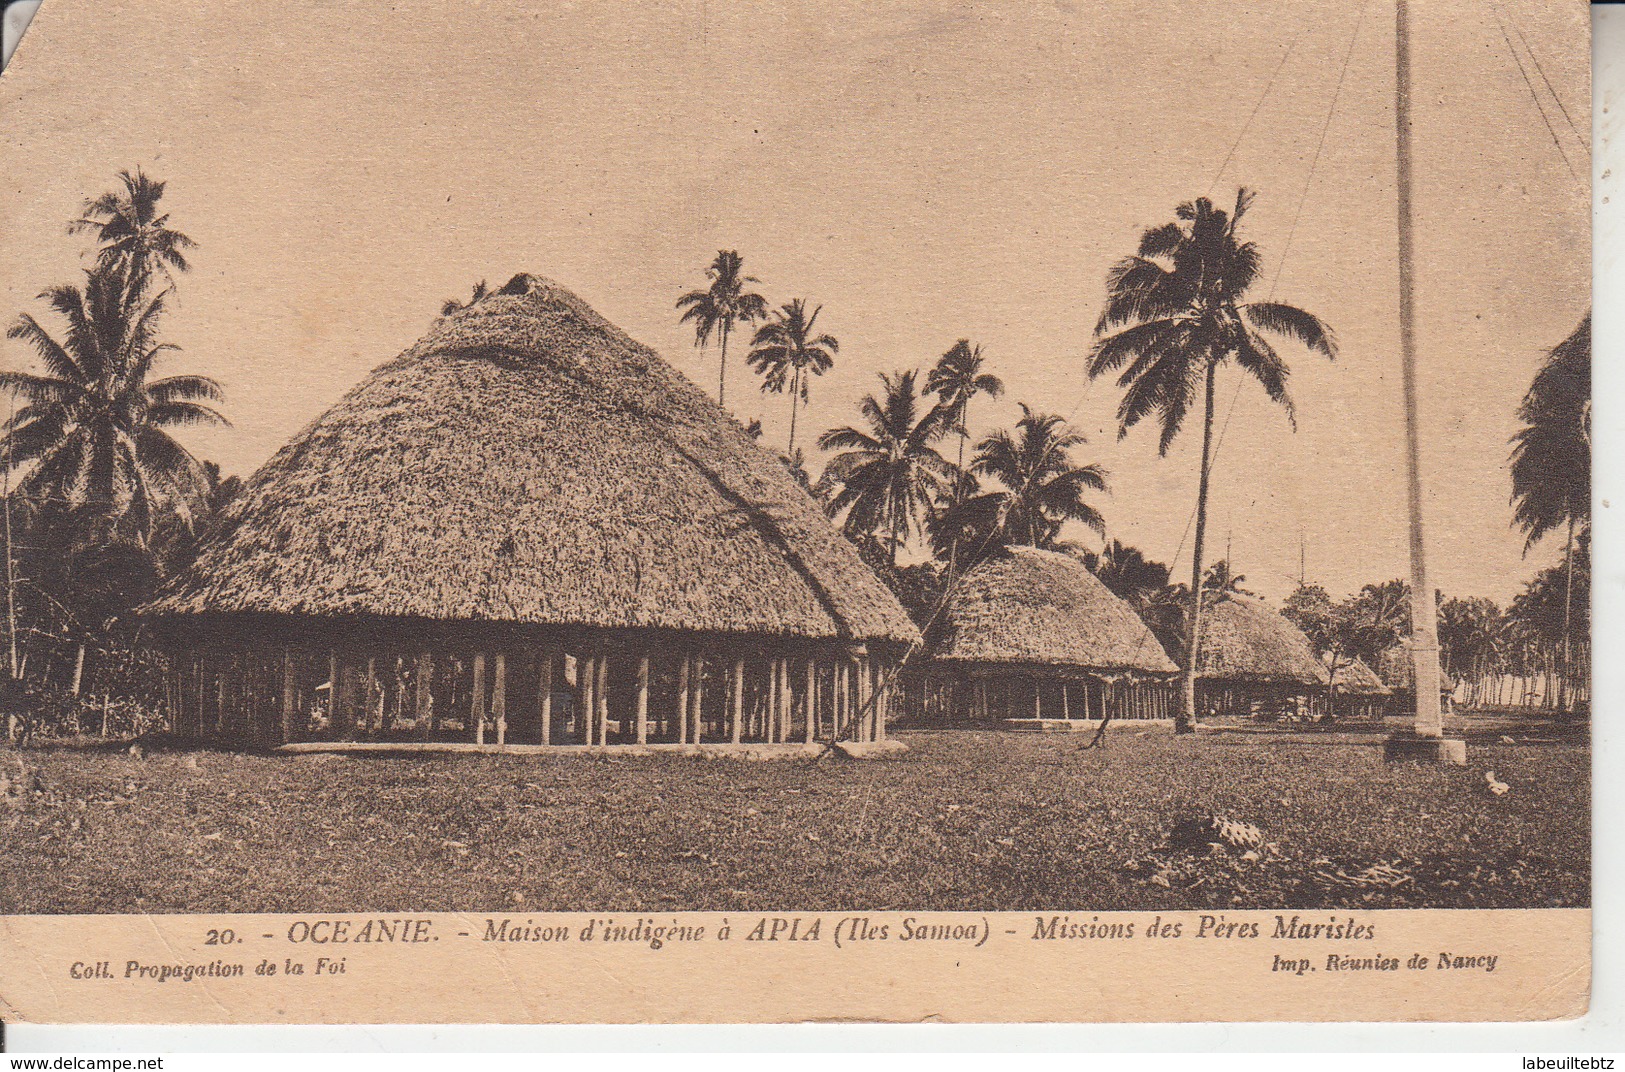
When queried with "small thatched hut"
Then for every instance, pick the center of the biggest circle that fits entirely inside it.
(1356, 692)
(528, 529)
(1032, 635)
(1395, 668)
(1254, 662)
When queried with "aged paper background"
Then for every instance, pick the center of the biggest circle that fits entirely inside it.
(305, 143)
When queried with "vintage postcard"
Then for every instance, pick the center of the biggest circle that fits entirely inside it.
(796, 510)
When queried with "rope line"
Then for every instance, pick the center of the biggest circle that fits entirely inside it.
(1533, 95)
(1245, 127)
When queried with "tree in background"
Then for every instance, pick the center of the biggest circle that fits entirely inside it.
(1037, 488)
(787, 352)
(721, 305)
(1174, 314)
(1128, 574)
(888, 478)
(131, 234)
(1551, 459)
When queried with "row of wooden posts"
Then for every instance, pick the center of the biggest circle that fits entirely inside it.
(260, 698)
(937, 697)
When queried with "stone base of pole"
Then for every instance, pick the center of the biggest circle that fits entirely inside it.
(1403, 747)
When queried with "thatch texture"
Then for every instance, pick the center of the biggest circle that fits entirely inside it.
(527, 462)
(1245, 641)
(1357, 679)
(1041, 608)
(1395, 668)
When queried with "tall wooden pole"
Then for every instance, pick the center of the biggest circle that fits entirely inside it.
(290, 697)
(545, 687)
(738, 699)
(600, 695)
(476, 702)
(682, 700)
(1424, 631)
(499, 697)
(425, 694)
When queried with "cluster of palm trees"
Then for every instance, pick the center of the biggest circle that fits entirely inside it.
(1177, 312)
(101, 475)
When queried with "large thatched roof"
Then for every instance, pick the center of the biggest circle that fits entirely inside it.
(528, 462)
(1035, 607)
(1357, 679)
(1397, 672)
(1245, 641)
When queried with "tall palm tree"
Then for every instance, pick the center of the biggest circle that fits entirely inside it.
(1042, 487)
(93, 427)
(956, 379)
(787, 353)
(452, 305)
(889, 475)
(1551, 456)
(720, 306)
(131, 233)
(1174, 314)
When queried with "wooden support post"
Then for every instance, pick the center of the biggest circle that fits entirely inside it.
(584, 705)
(290, 697)
(476, 699)
(499, 698)
(425, 696)
(682, 700)
(866, 710)
(698, 685)
(600, 695)
(335, 696)
(370, 687)
(884, 684)
(1066, 708)
(643, 700)
(545, 687)
(809, 701)
(787, 699)
(738, 698)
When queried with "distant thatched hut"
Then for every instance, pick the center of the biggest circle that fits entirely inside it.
(528, 529)
(1356, 692)
(1254, 662)
(1032, 635)
(1395, 668)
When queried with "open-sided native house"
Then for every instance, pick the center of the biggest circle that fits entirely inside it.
(528, 529)
(1254, 663)
(1031, 636)
(1356, 693)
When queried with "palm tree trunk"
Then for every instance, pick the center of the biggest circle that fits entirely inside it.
(1185, 719)
(1568, 602)
(722, 374)
(959, 493)
(795, 395)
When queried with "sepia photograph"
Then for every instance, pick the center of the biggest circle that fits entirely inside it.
(1065, 459)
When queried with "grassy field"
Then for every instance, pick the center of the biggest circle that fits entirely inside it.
(964, 820)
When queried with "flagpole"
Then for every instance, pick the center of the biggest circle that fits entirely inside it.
(1427, 739)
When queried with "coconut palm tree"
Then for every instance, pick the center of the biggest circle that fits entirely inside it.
(1039, 488)
(1551, 456)
(131, 233)
(889, 473)
(1174, 315)
(956, 379)
(93, 427)
(1128, 573)
(787, 353)
(452, 305)
(720, 306)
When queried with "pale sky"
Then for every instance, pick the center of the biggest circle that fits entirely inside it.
(925, 171)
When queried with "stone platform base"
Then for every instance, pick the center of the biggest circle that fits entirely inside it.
(1425, 749)
(720, 750)
(1050, 725)
(870, 749)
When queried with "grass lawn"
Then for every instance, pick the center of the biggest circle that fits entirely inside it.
(965, 820)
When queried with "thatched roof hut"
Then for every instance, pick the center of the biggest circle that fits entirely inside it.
(1356, 678)
(528, 481)
(1244, 641)
(1397, 672)
(1036, 608)
(1026, 622)
(1254, 661)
